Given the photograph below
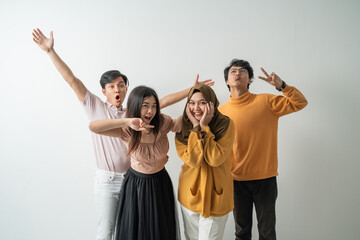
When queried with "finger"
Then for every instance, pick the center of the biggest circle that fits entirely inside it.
(263, 70)
(35, 41)
(212, 108)
(37, 34)
(197, 79)
(189, 114)
(41, 34)
(262, 78)
(51, 35)
(148, 126)
(206, 110)
(36, 37)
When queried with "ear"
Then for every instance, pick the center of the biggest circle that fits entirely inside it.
(103, 91)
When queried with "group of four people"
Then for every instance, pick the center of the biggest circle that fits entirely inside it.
(229, 154)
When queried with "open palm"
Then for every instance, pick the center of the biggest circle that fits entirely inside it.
(42, 41)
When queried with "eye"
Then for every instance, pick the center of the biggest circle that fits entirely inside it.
(191, 103)
(112, 86)
(203, 103)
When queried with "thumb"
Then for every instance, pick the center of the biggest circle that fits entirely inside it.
(51, 35)
(197, 79)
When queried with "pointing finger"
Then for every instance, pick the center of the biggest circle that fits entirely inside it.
(263, 70)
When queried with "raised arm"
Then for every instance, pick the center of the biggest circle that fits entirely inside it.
(47, 44)
(178, 96)
(292, 101)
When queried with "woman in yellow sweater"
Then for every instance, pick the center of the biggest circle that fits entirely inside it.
(205, 182)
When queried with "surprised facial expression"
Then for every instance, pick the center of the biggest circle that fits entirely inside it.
(115, 91)
(148, 109)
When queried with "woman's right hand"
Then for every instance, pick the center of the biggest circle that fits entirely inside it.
(43, 42)
(139, 125)
(191, 117)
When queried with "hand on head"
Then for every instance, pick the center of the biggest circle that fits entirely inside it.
(208, 82)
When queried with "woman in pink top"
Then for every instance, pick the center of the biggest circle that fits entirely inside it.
(146, 205)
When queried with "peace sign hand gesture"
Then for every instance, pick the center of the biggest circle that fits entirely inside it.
(273, 79)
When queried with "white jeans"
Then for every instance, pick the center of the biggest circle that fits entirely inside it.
(107, 189)
(198, 227)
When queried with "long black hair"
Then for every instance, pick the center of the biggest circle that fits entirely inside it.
(133, 110)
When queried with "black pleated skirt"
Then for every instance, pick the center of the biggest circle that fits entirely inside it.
(147, 207)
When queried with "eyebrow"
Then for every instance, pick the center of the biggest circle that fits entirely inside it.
(203, 99)
(149, 103)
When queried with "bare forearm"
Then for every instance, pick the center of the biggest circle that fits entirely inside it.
(78, 87)
(61, 66)
(99, 126)
(173, 98)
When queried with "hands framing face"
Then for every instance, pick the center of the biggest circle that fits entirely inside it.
(273, 79)
(206, 117)
(42, 41)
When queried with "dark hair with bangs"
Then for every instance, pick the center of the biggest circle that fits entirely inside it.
(109, 76)
(133, 110)
(239, 63)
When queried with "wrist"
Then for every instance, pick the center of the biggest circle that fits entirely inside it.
(283, 85)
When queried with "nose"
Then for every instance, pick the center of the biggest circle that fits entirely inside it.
(116, 89)
(151, 110)
(197, 106)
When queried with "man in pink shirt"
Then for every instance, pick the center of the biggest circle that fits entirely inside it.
(110, 152)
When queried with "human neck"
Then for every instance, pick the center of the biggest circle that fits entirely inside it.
(237, 92)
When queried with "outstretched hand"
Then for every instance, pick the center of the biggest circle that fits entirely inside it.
(208, 82)
(42, 41)
(208, 114)
(139, 125)
(273, 79)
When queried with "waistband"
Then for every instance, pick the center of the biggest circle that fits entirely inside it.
(145, 175)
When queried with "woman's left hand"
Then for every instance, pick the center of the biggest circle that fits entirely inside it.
(208, 114)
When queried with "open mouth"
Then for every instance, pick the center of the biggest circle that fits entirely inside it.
(117, 97)
(147, 118)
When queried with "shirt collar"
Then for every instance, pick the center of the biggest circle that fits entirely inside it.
(114, 108)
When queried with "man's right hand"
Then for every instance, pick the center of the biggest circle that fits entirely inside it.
(42, 41)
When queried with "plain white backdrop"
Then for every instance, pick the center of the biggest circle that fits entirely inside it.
(47, 161)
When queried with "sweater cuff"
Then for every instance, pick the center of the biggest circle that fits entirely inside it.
(201, 134)
(286, 89)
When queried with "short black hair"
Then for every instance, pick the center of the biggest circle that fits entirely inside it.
(109, 76)
(239, 63)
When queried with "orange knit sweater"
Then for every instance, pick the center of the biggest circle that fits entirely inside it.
(205, 181)
(255, 116)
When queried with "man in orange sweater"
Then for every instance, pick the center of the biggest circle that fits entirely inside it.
(254, 160)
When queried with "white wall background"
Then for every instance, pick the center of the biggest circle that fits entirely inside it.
(47, 161)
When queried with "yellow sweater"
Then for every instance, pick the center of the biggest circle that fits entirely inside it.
(254, 154)
(205, 181)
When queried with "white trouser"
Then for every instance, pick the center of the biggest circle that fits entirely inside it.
(198, 227)
(107, 189)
